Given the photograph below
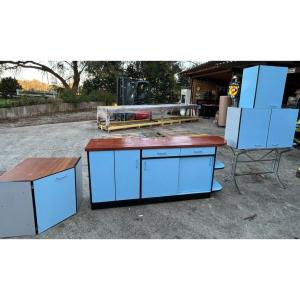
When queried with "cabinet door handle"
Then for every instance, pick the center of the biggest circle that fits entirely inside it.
(210, 162)
(257, 145)
(145, 165)
(61, 178)
(198, 151)
(136, 164)
(161, 153)
(275, 145)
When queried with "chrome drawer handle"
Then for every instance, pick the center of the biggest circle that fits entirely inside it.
(161, 153)
(275, 145)
(198, 151)
(60, 178)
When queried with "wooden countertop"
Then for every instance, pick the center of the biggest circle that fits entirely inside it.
(35, 168)
(152, 143)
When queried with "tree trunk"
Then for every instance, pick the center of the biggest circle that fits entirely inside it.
(76, 77)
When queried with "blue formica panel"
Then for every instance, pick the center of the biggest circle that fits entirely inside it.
(102, 176)
(55, 199)
(282, 128)
(195, 174)
(263, 87)
(127, 174)
(159, 177)
(247, 128)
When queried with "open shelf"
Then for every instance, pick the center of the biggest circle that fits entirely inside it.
(219, 165)
(216, 186)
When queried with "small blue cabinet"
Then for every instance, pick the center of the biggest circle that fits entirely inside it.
(263, 87)
(127, 174)
(195, 174)
(102, 176)
(247, 128)
(39, 193)
(159, 177)
(55, 199)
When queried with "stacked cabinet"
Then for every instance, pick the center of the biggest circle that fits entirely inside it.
(260, 128)
(142, 174)
(259, 122)
(38, 194)
(263, 87)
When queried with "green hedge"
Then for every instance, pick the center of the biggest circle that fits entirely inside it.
(67, 96)
(103, 96)
(6, 103)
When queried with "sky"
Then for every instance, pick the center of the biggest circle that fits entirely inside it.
(29, 74)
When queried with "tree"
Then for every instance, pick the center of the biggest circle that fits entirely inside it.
(102, 75)
(66, 73)
(9, 86)
(162, 77)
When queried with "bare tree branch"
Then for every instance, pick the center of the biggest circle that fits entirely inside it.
(38, 66)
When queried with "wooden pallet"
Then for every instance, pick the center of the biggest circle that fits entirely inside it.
(120, 125)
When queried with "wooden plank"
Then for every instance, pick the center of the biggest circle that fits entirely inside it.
(35, 168)
(152, 143)
(127, 125)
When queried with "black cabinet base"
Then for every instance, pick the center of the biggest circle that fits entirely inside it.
(149, 200)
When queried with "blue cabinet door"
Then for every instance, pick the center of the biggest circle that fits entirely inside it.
(248, 88)
(127, 174)
(55, 198)
(270, 87)
(159, 177)
(195, 174)
(254, 127)
(282, 128)
(102, 176)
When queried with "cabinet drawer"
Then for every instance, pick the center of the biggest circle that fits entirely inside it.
(197, 151)
(163, 152)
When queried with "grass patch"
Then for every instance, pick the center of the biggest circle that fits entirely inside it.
(26, 101)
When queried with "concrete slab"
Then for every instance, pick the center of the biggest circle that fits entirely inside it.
(221, 216)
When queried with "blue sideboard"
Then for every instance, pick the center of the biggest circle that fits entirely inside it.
(119, 177)
(248, 128)
(263, 87)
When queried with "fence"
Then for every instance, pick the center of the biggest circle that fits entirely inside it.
(46, 109)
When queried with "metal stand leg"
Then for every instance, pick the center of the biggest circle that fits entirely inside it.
(276, 168)
(232, 176)
(263, 158)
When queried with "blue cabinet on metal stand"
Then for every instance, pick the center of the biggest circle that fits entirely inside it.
(248, 128)
(263, 87)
